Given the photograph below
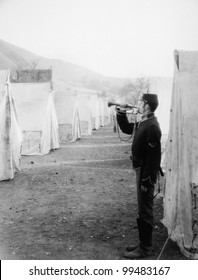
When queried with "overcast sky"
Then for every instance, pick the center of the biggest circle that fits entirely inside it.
(122, 38)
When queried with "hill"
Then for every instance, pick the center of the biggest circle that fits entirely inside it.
(13, 57)
(65, 73)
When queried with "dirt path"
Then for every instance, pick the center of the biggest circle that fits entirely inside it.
(78, 202)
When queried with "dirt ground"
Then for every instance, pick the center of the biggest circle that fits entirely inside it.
(78, 202)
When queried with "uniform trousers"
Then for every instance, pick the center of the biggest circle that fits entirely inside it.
(145, 211)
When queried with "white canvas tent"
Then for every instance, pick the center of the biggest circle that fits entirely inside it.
(10, 133)
(106, 112)
(101, 111)
(84, 103)
(4, 78)
(95, 111)
(162, 86)
(89, 98)
(181, 188)
(37, 117)
(66, 105)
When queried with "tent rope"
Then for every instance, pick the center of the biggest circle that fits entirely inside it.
(163, 247)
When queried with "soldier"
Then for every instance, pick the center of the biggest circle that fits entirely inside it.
(146, 157)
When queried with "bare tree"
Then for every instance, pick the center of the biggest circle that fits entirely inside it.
(142, 85)
(34, 63)
(133, 89)
(15, 72)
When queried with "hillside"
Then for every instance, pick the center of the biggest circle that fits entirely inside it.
(13, 57)
(65, 73)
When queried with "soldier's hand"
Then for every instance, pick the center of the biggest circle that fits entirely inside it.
(121, 109)
(143, 189)
(146, 184)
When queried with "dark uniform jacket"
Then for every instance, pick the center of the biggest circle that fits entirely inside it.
(146, 146)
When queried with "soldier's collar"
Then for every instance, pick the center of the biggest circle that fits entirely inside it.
(148, 116)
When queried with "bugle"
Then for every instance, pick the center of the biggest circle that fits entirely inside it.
(123, 105)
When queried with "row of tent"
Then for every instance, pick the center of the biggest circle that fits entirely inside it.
(79, 112)
(35, 119)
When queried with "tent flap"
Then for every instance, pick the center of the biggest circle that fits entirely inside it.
(10, 135)
(37, 117)
(180, 212)
(66, 104)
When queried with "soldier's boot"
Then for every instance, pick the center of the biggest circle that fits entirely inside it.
(144, 248)
(133, 247)
(130, 248)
